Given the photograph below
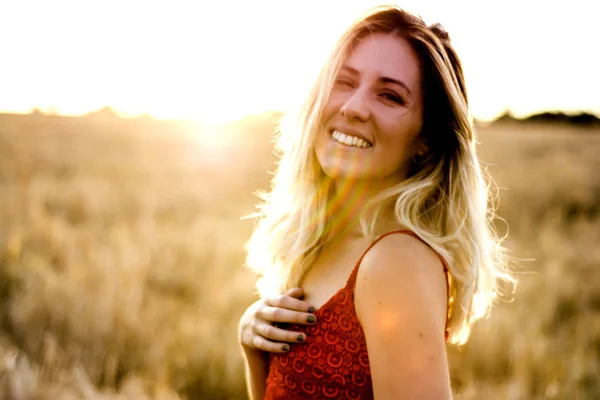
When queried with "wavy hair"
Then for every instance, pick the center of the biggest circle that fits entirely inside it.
(445, 199)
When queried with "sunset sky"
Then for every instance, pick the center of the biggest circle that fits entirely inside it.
(215, 61)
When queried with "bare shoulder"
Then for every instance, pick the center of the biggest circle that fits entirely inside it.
(400, 255)
(401, 270)
(400, 301)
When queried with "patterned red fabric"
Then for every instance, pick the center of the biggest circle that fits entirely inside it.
(333, 362)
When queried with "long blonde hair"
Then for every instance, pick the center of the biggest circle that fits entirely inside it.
(444, 200)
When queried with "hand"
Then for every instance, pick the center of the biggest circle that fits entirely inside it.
(256, 325)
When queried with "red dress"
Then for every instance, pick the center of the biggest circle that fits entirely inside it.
(333, 362)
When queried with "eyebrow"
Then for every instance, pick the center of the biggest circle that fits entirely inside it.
(383, 79)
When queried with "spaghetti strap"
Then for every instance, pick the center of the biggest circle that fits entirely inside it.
(352, 278)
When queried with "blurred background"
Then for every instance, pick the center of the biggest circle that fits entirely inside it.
(133, 136)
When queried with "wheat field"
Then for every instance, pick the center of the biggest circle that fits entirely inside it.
(121, 259)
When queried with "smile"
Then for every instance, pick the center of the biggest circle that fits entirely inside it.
(350, 140)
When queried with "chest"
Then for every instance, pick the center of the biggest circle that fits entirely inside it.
(331, 270)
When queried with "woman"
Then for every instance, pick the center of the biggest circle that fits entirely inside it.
(374, 245)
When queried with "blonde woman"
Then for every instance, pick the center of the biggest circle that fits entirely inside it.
(374, 246)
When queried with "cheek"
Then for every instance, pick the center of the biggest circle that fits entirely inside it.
(404, 134)
(402, 140)
(333, 105)
(411, 125)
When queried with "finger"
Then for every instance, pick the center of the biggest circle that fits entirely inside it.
(296, 292)
(290, 303)
(278, 314)
(261, 343)
(276, 334)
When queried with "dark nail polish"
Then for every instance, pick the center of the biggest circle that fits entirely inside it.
(311, 309)
(285, 347)
(311, 319)
(300, 338)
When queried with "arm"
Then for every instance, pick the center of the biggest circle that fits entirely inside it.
(256, 360)
(257, 370)
(401, 303)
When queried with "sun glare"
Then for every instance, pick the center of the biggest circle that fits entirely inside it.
(212, 138)
(182, 60)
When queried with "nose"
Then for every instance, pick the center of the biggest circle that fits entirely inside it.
(356, 107)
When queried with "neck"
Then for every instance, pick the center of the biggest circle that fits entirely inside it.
(348, 200)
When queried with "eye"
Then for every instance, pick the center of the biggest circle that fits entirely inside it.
(392, 96)
(344, 83)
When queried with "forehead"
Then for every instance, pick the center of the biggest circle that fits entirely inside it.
(385, 55)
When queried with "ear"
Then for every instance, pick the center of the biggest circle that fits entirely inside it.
(423, 149)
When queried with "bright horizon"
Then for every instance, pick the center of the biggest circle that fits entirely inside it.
(220, 61)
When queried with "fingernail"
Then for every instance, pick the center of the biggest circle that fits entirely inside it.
(311, 309)
(300, 338)
(311, 319)
(285, 347)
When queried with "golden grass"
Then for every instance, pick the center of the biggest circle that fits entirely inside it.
(121, 253)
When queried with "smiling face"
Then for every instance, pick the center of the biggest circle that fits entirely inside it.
(374, 114)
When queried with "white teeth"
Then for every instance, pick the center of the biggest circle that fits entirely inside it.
(349, 140)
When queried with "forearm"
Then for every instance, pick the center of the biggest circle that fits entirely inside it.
(257, 369)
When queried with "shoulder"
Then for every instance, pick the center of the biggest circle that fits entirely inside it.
(403, 246)
(400, 301)
(400, 256)
(400, 271)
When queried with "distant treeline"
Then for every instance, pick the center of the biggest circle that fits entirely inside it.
(580, 119)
